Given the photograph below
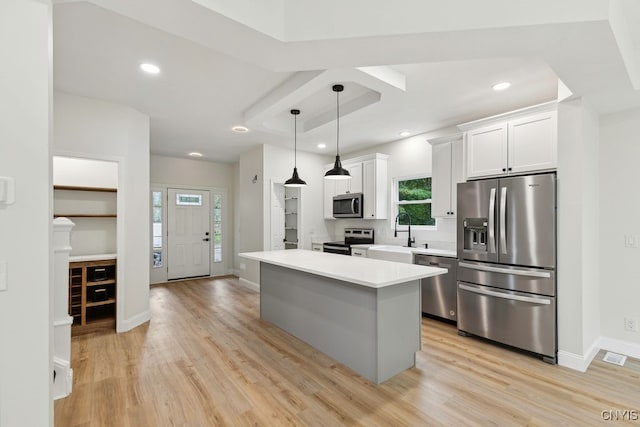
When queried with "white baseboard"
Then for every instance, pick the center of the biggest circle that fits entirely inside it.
(626, 348)
(63, 383)
(578, 362)
(137, 320)
(581, 363)
(249, 284)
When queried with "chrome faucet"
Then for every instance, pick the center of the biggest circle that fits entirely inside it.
(410, 240)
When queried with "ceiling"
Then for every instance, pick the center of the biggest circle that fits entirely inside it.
(225, 68)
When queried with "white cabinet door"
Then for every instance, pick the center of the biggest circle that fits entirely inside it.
(441, 180)
(457, 176)
(533, 142)
(446, 174)
(486, 150)
(369, 195)
(355, 183)
(329, 192)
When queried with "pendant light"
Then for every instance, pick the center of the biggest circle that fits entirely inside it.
(295, 180)
(338, 172)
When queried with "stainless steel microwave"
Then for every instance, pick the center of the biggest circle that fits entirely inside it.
(347, 205)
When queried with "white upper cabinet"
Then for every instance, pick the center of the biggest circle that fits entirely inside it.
(533, 142)
(369, 177)
(374, 191)
(446, 170)
(522, 141)
(487, 150)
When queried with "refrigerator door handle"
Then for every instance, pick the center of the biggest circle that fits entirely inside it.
(490, 269)
(487, 292)
(503, 220)
(492, 221)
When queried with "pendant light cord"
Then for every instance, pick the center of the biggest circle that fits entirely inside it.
(295, 140)
(338, 123)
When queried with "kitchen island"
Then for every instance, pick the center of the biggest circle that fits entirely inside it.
(365, 313)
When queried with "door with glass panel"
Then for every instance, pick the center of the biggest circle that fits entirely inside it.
(188, 234)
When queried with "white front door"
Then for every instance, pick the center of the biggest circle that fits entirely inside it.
(188, 234)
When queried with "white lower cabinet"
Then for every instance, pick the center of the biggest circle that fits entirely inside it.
(359, 252)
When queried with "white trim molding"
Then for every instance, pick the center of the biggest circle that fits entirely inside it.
(63, 383)
(132, 322)
(249, 284)
(578, 362)
(626, 348)
(581, 363)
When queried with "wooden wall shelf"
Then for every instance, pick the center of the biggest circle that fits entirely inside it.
(71, 215)
(77, 188)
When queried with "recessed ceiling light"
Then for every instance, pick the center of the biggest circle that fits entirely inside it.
(405, 133)
(150, 68)
(322, 146)
(240, 129)
(195, 154)
(501, 86)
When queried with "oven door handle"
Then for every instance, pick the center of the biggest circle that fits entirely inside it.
(337, 248)
(542, 301)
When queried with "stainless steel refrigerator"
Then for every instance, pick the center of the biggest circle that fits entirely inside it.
(507, 260)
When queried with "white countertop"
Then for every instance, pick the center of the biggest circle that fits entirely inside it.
(362, 271)
(92, 257)
(435, 252)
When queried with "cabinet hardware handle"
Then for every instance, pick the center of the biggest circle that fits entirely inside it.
(205, 240)
(504, 169)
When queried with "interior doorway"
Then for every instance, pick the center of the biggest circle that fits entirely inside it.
(188, 233)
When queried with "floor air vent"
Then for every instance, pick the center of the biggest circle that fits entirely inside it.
(616, 359)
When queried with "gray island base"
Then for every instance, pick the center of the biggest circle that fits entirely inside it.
(365, 313)
(374, 331)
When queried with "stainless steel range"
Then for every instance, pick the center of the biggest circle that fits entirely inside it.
(507, 261)
(352, 236)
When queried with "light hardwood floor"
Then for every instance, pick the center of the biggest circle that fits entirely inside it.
(206, 359)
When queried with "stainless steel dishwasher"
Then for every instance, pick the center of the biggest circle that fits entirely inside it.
(439, 293)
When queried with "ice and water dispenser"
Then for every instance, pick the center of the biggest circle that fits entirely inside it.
(475, 234)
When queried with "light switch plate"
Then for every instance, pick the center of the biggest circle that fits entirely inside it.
(7, 190)
(3, 276)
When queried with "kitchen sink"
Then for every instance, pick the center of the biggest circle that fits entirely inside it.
(403, 253)
(391, 253)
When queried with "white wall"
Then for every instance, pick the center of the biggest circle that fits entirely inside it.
(84, 172)
(619, 216)
(274, 164)
(171, 172)
(578, 246)
(90, 128)
(197, 173)
(25, 226)
(407, 157)
(278, 168)
(250, 211)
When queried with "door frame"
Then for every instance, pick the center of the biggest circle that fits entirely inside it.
(159, 275)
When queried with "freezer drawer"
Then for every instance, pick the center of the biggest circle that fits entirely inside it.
(439, 293)
(518, 319)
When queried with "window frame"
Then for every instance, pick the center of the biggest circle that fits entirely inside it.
(395, 202)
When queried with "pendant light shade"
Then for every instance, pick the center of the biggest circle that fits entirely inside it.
(295, 180)
(338, 172)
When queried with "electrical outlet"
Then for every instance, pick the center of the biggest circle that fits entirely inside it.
(629, 241)
(630, 324)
